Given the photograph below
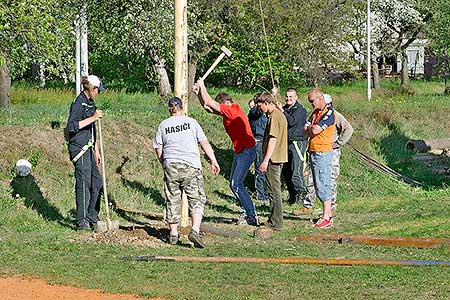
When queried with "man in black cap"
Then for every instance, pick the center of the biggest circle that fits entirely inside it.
(176, 145)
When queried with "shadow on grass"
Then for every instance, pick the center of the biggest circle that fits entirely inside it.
(400, 159)
(28, 188)
(153, 193)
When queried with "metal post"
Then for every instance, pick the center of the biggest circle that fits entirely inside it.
(84, 42)
(77, 58)
(369, 90)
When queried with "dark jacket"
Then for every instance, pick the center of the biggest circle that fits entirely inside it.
(82, 107)
(296, 118)
(258, 122)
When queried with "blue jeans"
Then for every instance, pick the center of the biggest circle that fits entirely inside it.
(239, 169)
(321, 172)
(260, 177)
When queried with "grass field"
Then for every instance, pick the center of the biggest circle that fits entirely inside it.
(37, 212)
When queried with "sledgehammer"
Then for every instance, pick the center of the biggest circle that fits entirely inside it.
(108, 225)
(225, 52)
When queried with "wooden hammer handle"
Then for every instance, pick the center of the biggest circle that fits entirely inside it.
(213, 66)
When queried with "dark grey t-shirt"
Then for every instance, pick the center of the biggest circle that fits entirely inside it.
(178, 136)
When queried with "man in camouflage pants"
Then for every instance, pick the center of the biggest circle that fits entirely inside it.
(343, 133)
(176, 145)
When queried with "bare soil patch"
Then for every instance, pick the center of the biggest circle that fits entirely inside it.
(14, 288)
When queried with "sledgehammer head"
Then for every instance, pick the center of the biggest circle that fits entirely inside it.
(102, 226)
(226, 51)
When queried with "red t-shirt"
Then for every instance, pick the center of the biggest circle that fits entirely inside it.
(237, 126)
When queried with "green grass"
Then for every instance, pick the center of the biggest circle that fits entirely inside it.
(37, 212)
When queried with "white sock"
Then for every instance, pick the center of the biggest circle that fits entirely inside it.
(196, 229)
(174, 233)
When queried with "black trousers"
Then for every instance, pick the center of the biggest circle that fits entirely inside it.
(293, 169)
(88, 186)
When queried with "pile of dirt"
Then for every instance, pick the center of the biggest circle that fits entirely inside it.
(137, 237)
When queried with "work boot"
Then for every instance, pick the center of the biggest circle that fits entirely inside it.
(173, 239)
(194, 237)
(84, 226)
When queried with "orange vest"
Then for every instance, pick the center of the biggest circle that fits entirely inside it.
(323, 142)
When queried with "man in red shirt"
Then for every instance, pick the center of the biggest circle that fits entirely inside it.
(238, 129)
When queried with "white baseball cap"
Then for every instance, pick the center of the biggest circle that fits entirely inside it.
(95, 81)
(327, 98)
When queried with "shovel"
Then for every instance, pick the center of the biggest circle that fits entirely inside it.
(108, 225)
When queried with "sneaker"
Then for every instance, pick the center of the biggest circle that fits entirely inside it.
(252, 221)
(248, 220)
(322, 223)
(242, 220)
(303, 211)
(196, 239)
(173, 239)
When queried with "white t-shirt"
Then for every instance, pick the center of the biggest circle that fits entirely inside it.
(178, 136)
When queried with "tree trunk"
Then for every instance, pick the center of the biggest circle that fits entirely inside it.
(405, 71)
(164, 89)
(376, 76)
(5, 82)
(191, 75)
(159, 66)
(446, 72)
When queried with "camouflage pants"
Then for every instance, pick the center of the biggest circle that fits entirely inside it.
(179, 177)
(335, 171)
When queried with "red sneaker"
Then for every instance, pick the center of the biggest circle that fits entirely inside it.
(322, 223)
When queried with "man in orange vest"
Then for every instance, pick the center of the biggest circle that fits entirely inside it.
(320, 130)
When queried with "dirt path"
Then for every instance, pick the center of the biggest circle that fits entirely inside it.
(15, 288)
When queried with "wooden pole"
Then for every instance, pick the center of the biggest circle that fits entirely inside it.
(105, 192)
(181, 77)
(375, 240)
(290, 260)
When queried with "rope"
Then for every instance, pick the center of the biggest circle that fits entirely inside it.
(267, 45)
(382, 168)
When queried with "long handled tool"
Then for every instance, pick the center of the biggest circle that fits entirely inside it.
(100, 225)
(225, 52)
(290, 260)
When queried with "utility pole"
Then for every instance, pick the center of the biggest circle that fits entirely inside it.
(181, 77)
(369, 88)
(181, 53)
(81, 55)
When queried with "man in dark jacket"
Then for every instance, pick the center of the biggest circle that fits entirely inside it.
(258, 123)
(295, 115)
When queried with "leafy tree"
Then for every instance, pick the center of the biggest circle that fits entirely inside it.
(439, 34)
(33, 31)
(141, 30)
(404, 21)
